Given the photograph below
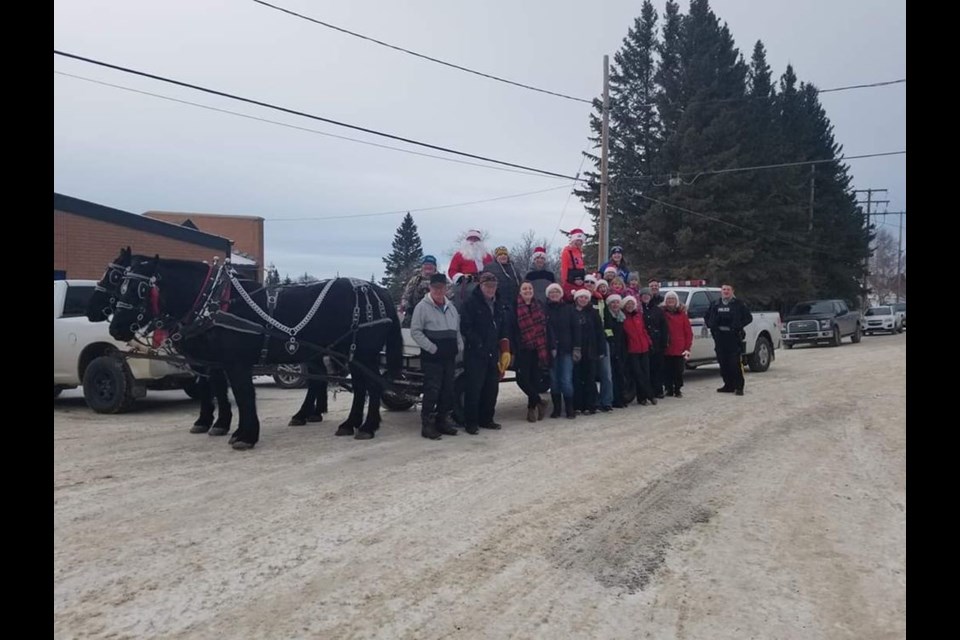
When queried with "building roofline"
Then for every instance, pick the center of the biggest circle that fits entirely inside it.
(102, 213)
(189, 214)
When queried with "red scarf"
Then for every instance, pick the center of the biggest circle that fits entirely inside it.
(532, 322)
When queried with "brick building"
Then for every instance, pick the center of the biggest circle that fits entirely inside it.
(88, 236)
(245, 232)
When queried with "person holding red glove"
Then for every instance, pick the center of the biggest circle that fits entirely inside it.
(486, 353)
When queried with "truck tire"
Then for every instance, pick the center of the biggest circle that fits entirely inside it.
(855, 338)
(108, 385)
(836, 339)
(290, 376)
(394, 402)
(192, 389)
(759, 360)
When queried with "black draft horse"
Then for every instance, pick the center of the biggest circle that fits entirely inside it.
(351, 318)
(211, 382)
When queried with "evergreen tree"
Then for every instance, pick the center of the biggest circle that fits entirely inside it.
(634, 130)
(404, 259)
(709, 136)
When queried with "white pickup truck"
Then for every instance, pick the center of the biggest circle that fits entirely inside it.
(763, 335)
(84, 355)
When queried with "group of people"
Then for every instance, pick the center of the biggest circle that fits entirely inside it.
(596, 342)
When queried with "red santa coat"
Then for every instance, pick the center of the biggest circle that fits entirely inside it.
(570, 258)
(460, 266)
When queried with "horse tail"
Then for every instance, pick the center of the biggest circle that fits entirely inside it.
(394, 341)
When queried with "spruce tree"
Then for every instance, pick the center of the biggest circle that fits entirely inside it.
(404, 259)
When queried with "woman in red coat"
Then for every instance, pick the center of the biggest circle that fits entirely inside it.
(638, 351)
(679, 343)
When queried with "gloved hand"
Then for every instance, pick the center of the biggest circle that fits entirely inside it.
(505, 357)
(577, 354)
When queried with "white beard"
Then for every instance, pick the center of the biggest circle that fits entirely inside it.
(475, 252)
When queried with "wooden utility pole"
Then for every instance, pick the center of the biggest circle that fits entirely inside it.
(603, 229)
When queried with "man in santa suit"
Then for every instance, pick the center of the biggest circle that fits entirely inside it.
(470, 259)
(572, 255)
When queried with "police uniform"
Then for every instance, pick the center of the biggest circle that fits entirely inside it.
(726, 320)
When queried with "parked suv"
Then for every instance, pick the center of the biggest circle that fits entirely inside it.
(816, 321)
(882, 318)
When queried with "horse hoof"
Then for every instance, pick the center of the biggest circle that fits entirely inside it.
(363, 435)
(221, 431)
(315, 418)
(240, 445)
(344, 431)
(297, 421)
(199, 428)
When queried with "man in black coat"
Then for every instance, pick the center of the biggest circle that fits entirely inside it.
(539, 276)
(656, 324)
(726, 319)
(486, 353)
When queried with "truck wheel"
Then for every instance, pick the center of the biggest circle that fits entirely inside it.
(835, 340)
(108, 385)
(192, 389)
(396, 402)
(290, 376)
(759, 360)
(855, 338)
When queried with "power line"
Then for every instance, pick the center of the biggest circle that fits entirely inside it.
(729, 224)
(864, 86)
(420, 55)
(307, 115)
(759, 167)
(442, 206)
(749, 98)
(563, 211)
(292, 126)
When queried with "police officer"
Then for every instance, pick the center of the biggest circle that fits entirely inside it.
(726, 319)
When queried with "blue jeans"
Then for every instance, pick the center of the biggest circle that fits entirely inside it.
(561, 375)
(606, 379)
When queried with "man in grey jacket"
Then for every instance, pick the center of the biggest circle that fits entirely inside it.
(435, 327)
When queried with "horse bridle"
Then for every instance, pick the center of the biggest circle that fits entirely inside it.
(113, 277)
(148, 293)
(214, 289)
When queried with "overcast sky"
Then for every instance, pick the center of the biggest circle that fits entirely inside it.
(139, 153)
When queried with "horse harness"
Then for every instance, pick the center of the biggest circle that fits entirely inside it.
(212, 309)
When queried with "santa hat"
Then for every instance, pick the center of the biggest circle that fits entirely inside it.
(473, 233)
(577, 234)
(602, 284)
(539, 252)
(611, 269)
(554, 286)
(590, 278)
(582, 293)
(629, 299)
(614, 297)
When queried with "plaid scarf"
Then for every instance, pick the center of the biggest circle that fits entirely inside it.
(533, 328)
